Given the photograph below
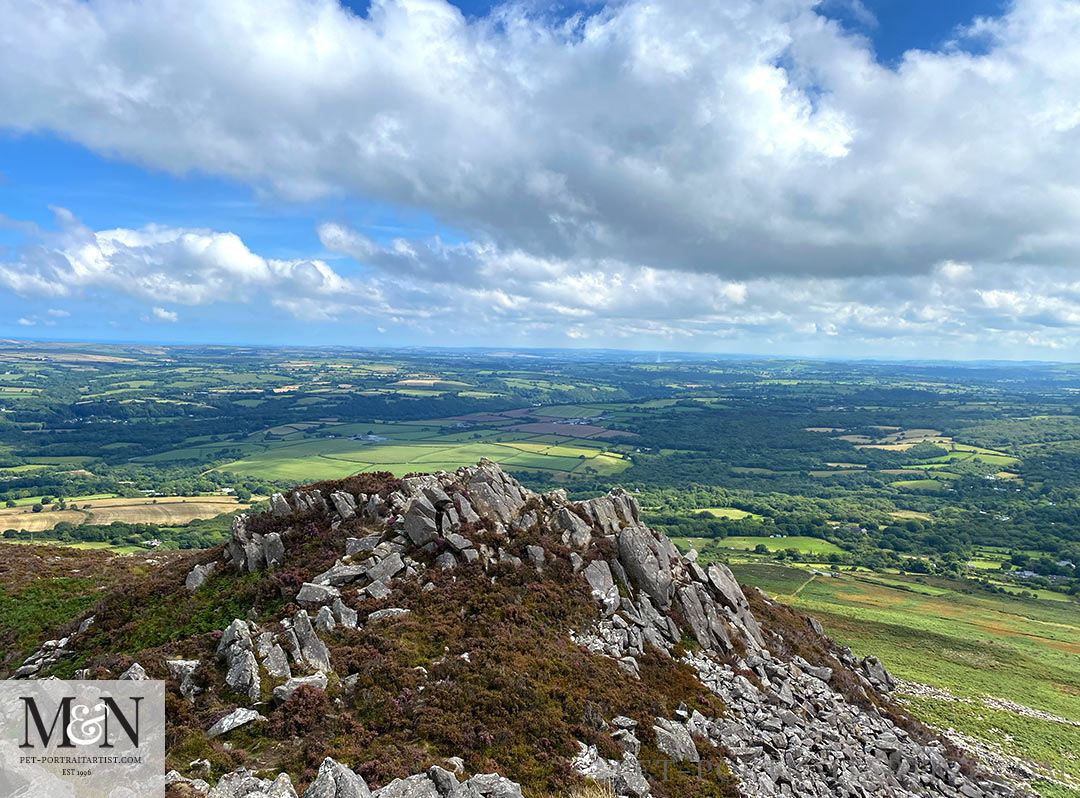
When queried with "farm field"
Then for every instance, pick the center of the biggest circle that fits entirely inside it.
(163, 510)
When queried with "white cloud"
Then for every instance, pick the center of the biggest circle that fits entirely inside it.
(734, 138)
(162, 315)
(57, 313)
(25, 322)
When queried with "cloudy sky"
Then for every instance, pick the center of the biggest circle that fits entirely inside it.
(840, 177)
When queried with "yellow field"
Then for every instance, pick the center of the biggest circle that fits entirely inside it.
(166, 510)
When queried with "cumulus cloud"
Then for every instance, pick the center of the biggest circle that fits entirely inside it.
(737, 138)
(162, 315)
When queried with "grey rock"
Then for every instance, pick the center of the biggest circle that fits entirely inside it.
(446, 560)
(377, 590)
(279, 505)
(646, 565)
(243, 673)
(273, 656)
(732, 597)
(458, 543)
(465, 510)
(336, 781)
(574, 531)
(273, 550)
(536, 555)
(182, 670)
(283, 692)
(344, 503)
(674, 740)
(420, 522)
(445, 782)
(386, 569)
(313, 650)
(324, 619)
(418, 786)
(492, 785)
(361, 545)
(198, 575)
(346, 615)
(136, 673)
(234, 720)
(312, 595)
(340, 574)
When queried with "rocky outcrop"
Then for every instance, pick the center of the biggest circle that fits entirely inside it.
(236, 650)
(234, 720)
(198, 575)
(249, 551)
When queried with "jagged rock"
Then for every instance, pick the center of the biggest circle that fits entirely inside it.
(674, 740)
(244, 783)
(465, 510)
(420, 521)
(235, 719)
(283, 692)
(446, 560)
(602, 512)
(418, 786)
(445, 782)
(377, 590)
(493, 493)
(344, 503)
(279, 505)
(182, 671)
(386, 569)
(492, 785)
(324, 619)
(198, 575)
(876, 674)
(136, 673)
(731, 596)
(273, 550)
(313, 651)
(192, 786)
(272, 656)
(243, 673)
(361, 545)
(458, 543)
(598, 575)
(574, 531)
(391, 612)
(346, 616)
(309, 501)
(536, 555)
(336, 781)
(340, 574)
(646, 564)
(312, 595)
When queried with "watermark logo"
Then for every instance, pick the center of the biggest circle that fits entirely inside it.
(83, 739)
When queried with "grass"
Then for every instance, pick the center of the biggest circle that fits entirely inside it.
(164, 510)
(727, 512)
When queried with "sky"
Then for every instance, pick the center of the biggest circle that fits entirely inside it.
(839, 178)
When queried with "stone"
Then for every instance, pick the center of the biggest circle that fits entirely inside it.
(465, 510)
(182, 670)
(313, 650)
(458, 543)
(283, 692)
(645, 565)
(234, 720)
(418, 786)
(346, 616)
(386, 569)
(324, 619)
(198, 575)
(273, 550)
(243, 674)
(492, 785)
(674, 740)
(344, 503)
(598, 575)
(731, 596)
(273, 657)
(340, 574)
(312, 595)
(536, 555)
(279, 505)
(377, 590)
(334, 780)
(420, 522)
(361, 545)
(136, 673)
(446, 561)
(575, 532)
(445, 782)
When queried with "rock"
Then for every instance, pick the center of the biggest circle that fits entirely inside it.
(313, 650)
(283, 692)
(465, 510)
(324, 619)
(279, 506)
(235, 719)
(377, 590)
(182, 670)
(346, 615)
(445, 782)
(344, 503)
(386, 569)
(602, 511)
(629, 780)
(336, 781)
(646, 565)
(243, 674)
(340, 574)
(875, 673)
(420, 522)
(731, 596)
(674, 740)
(361, 545)
(575, 532)
(312, 595)
(198, 575)
(273, 550)
(382, 615)
(492, 785)
(536, 555)
(273, 656)
(136, 673)
(598, 575)
(192, 786)
(418, 786)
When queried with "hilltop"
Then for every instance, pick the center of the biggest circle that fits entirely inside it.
(458, 634)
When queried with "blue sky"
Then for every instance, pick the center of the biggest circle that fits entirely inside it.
(851, 178)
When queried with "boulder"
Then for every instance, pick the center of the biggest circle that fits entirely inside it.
(418, 786)
(279, 505)
(646, 564)
(391, 612)
(324, 619)
(344, 503)
(312, 595)
(386, 569)
(336, 781)
(361, 545)
(731, 596)
(235, 719)
(273, 550)
(313, 650)
(243, 673)
(182, 671)
(575, 532)
(492, 785)
(283, 692)
(420, 522)
(136, 673)
(674, 740)
(198, 575)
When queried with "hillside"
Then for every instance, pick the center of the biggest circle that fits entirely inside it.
(457, 634)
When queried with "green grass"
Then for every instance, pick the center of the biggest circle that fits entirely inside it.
(803, 545)
(727, 512)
